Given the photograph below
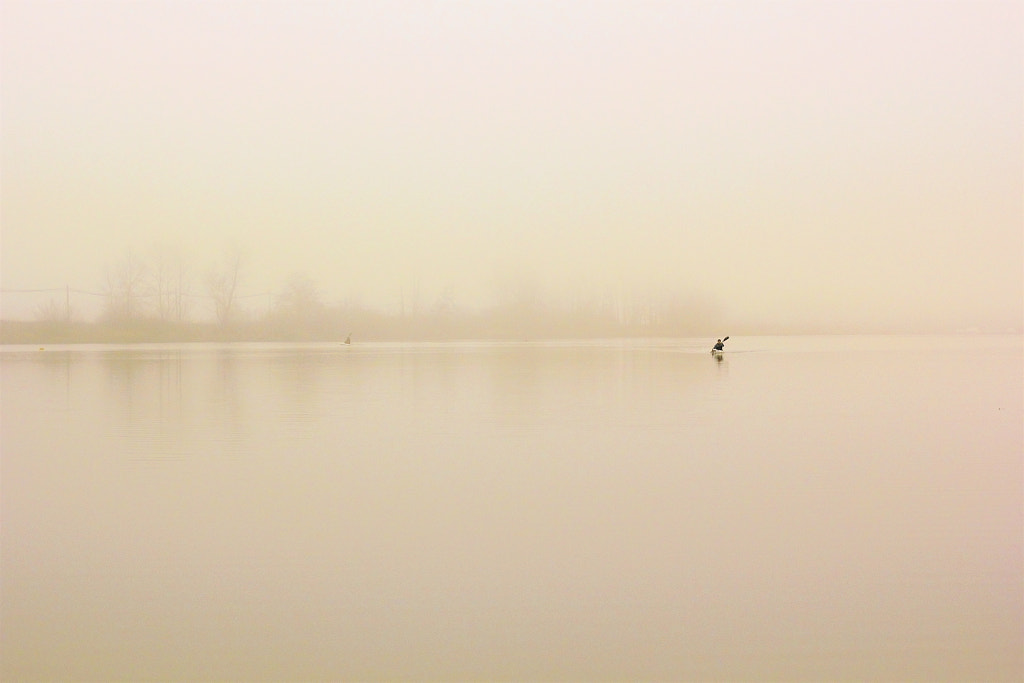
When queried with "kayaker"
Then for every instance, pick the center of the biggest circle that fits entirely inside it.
(719, 345)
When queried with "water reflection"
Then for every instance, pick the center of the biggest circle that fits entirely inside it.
(528, 511)
(58, 365)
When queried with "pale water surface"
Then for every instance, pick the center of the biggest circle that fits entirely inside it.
(821, 508)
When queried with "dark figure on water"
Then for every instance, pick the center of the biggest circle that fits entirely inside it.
(719, 345)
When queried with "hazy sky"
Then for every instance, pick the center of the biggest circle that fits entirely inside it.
(833, 160)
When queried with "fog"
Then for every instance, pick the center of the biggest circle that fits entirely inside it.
(840, 164)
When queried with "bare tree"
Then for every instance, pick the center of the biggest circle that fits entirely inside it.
(53, 311)
(300, 301)
(125, 282)
(222, 285)
(181, 288)
(160, 284)
(170, 284)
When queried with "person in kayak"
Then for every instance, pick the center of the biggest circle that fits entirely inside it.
(719, 345)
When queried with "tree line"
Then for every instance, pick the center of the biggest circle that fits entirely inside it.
(163, 287)
(163, 297)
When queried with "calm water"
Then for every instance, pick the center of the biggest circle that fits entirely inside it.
(805, 508)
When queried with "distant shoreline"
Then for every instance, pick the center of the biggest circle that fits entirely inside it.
(142, 332)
